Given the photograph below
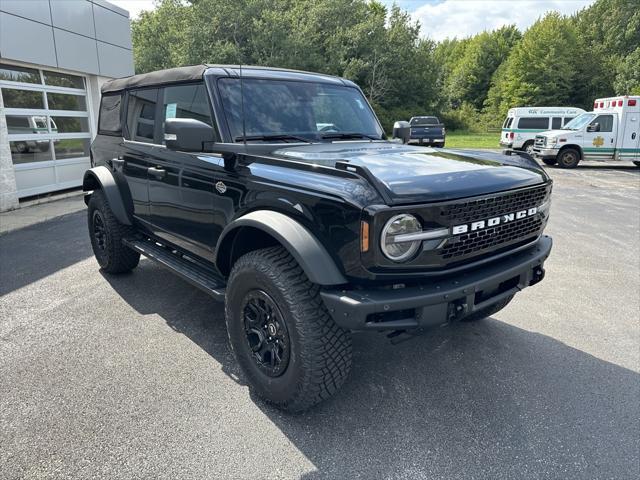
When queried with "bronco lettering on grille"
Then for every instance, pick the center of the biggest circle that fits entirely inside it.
(492, 222)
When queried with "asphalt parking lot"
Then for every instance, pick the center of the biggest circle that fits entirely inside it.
(131, 376)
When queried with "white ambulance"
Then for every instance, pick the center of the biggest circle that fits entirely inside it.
(522, 124)
(610, 132)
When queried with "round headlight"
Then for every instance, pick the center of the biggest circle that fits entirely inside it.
(395, 250)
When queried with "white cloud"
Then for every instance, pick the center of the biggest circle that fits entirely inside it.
(134, 7)
(459, 18)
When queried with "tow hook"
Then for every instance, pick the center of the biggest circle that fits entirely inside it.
(538, 275)
(457, 310)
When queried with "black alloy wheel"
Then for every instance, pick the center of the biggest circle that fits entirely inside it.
(266, 333)
(99, 231)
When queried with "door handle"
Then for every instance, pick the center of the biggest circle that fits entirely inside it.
(157, 172)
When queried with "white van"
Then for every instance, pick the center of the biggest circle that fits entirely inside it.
(610, 132)
(522, 124)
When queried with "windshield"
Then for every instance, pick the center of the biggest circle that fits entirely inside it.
(424, 121)
(302, 110)
(579, 122)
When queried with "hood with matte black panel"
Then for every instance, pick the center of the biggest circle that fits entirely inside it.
(417, 174)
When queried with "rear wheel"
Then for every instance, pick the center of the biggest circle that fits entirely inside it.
(568, 158)
(106, 234)
(549, 161)
(289, 348)
(488, 311)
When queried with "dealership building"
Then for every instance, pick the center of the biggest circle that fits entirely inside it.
(54, 57)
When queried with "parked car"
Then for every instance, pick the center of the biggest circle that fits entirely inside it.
(306, 234)
(610, 132)
(28, 125)
(522, 124)
(427, 131)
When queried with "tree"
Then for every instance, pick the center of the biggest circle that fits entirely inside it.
(542, 68)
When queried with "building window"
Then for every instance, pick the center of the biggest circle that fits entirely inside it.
(49, 128)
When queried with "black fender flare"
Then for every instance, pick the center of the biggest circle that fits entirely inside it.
(101, 178)
(310, 254)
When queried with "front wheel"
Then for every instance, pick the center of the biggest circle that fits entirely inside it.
(568, 158)
(291, 351)
(528, 147)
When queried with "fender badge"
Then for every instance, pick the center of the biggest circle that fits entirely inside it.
(221, 187)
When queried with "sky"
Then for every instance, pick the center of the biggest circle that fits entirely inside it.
(442, 19)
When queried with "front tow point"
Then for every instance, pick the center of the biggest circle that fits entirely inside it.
(538, 275)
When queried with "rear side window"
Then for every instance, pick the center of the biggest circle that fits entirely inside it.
(556, 123)
(109, 122)
(141, 115)
(534, 123)
(186, 101)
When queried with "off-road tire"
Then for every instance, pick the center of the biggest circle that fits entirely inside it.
(488, 311)
(113, 256)
(549, 161)
(568, 158)
(320, 351)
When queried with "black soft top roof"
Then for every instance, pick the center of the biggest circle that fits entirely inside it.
(171, 75)
(195, 72)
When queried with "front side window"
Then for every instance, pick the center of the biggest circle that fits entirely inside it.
(303, 109)
(109, 122)
(534, 123)
(566, 120)
(605, 122)
(556, 123)
(141, 114)
(187, 101)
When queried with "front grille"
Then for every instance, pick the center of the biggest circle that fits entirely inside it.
(540, 141)
(493, 206)
(491, 238)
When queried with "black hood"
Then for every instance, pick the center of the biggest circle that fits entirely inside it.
(418, 174)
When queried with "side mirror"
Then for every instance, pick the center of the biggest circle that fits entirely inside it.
(594, 127)
(187, 134)
(402, 130)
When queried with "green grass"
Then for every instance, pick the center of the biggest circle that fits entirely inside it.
(460, 139)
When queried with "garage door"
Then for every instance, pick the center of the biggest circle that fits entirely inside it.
(49, 128)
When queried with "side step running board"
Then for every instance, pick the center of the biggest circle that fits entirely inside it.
(203, 278)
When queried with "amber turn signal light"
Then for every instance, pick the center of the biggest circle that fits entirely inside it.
(364, 236)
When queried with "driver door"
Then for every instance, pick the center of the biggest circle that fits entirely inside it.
(600, 137)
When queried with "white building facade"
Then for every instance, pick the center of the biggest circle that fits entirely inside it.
(54, 57)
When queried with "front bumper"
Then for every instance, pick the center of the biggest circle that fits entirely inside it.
(438, 301)
(545, 152)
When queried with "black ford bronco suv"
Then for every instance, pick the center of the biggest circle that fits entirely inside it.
(277, 192)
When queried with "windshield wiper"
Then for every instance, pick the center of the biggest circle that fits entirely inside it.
(345, 135)
(283, 137)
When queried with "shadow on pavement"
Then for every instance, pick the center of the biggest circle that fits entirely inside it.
(483, 400)
(29, 254)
